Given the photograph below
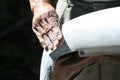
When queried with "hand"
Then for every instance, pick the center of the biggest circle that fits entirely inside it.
(46, 27)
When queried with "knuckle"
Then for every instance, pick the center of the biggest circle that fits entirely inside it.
(53, 14)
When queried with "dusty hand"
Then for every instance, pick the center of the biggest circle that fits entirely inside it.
(46, 27)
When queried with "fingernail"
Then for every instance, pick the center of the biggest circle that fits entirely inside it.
(56, 43)
(45, 47)
(51, 47)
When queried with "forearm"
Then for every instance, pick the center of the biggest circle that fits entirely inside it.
(36, 3)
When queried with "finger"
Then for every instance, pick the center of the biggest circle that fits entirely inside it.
(48, 42)
(44, 46)
(44, 40)
(43, 21)
(52, 22)
(39, 36)
(39, 33)
(53, 14)
(53, 38)
(57, 32)
(38, 29)
(58, 35)
(53, 19)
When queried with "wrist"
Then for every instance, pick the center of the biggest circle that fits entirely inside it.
(37, 3)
